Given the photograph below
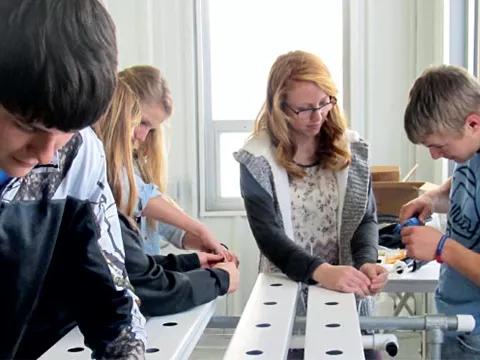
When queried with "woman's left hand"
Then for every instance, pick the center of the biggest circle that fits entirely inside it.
(377, 274)
(205, 241)
(202, 239)
(208, 260)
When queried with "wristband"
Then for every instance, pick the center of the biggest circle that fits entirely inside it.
(439, 250)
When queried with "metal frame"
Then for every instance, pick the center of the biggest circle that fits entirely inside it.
(331, 323)
(266, 325)
(211, 204)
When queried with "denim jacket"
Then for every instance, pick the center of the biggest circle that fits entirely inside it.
(153, 238)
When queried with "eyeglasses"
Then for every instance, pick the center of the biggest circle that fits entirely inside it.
(307, 113)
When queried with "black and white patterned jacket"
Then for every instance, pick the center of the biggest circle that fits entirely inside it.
(62, 259)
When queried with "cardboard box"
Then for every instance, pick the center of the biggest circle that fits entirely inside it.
(385, 173)
(392, 195)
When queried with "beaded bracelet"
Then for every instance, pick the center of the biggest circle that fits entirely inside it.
(439, 250)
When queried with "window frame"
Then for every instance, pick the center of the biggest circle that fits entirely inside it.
(211, 202)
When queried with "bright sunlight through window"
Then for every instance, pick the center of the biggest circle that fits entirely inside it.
(245, 39)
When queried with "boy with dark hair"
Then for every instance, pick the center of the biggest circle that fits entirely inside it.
(443, 113)
(61, 251)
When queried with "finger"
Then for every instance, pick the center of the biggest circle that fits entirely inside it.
(361, 277)
(368, 270)
(375, 289)
(406, 212)
(349, 288)
(377, 270)
(378, 285)
(219, 250)
(407, 239)
(381, 271)
(214, 255)
(380, 280)
(359, 291)
(407, 230)
(410, 251)
(235, 259)
(231, 257)
(214, 258)
(424, 214)
(359, 284)
(365, 289)
(383, 277)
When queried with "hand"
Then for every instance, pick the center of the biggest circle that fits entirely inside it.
(205, 241)
(421, 207)
(342, 278)
(377, 274)
(229, 256)
(233, 274)
(208, 260)
(421, 241)
(202, 239)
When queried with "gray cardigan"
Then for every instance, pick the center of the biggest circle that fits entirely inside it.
(264, 186)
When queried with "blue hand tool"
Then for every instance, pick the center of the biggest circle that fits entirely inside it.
(414, 221)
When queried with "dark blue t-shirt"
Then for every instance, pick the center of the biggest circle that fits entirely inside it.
(4, 179)
(456, 294)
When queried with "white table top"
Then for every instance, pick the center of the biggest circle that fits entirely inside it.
(423, 280)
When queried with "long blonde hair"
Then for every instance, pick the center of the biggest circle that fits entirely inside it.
(150, 88)
(115, 129)
(332, 149)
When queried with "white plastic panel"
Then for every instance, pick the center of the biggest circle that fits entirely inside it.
(175, 336)
(333, 329)
(169, 337)
(71, 346)
(265, 327)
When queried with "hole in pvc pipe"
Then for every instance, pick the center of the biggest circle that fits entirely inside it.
(170, 324)
(254, 352)
(76, 349)
(270, 303)
(276, 284)
(263, 325)
(331, 303)
(334, 352)
(152, 350)
(333, 325)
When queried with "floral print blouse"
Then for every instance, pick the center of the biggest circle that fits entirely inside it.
(314, 201)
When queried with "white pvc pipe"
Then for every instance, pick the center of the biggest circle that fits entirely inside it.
(398, 268)
(466, 323)
(383, 342)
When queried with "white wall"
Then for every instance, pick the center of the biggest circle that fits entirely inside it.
(391, 41)
(161, 33)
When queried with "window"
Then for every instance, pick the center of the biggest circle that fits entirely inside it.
(238, 41)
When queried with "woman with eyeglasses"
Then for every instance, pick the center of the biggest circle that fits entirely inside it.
(306, 185)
